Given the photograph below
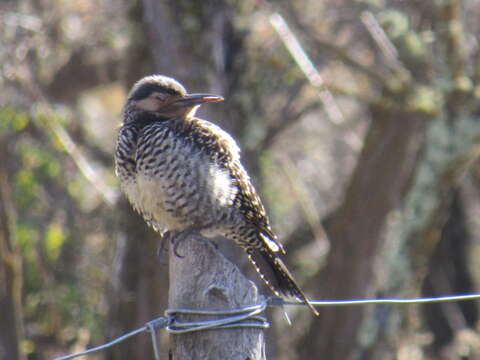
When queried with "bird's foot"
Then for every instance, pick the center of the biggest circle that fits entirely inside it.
(177, 239)
(165, 239)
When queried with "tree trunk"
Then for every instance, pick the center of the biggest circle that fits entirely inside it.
(448, 273)
(451, 147)
(10, 267)
(382, 174)
(139, 284)
(205, 279)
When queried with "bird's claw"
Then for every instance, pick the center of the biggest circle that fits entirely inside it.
(176, 240)
(175, 250)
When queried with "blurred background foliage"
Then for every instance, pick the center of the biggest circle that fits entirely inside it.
(359, 122)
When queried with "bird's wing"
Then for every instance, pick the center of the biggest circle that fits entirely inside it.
(225, 151)
(248, 201)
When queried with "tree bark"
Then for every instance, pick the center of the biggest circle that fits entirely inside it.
(205, 279)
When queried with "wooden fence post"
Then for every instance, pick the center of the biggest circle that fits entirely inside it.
(205, 279)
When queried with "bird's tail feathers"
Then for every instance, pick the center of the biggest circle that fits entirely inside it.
(275, 274)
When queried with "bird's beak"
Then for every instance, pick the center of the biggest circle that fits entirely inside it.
(197, 99)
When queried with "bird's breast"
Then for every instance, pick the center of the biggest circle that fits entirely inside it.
(181, 186)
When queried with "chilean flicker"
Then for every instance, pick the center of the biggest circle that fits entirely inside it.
(184, 174)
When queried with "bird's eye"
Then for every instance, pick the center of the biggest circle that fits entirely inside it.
(161, 97)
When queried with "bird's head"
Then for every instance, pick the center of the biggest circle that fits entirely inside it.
(166, 98)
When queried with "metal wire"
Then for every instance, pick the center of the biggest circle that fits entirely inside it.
(246, 317)
(389, 301)
(152, 327)
(104, 346)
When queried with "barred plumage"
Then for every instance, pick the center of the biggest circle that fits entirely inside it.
(183, 173)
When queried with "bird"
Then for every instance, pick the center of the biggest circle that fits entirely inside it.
(183, 174)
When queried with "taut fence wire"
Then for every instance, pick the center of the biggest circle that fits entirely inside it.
(246, 317)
